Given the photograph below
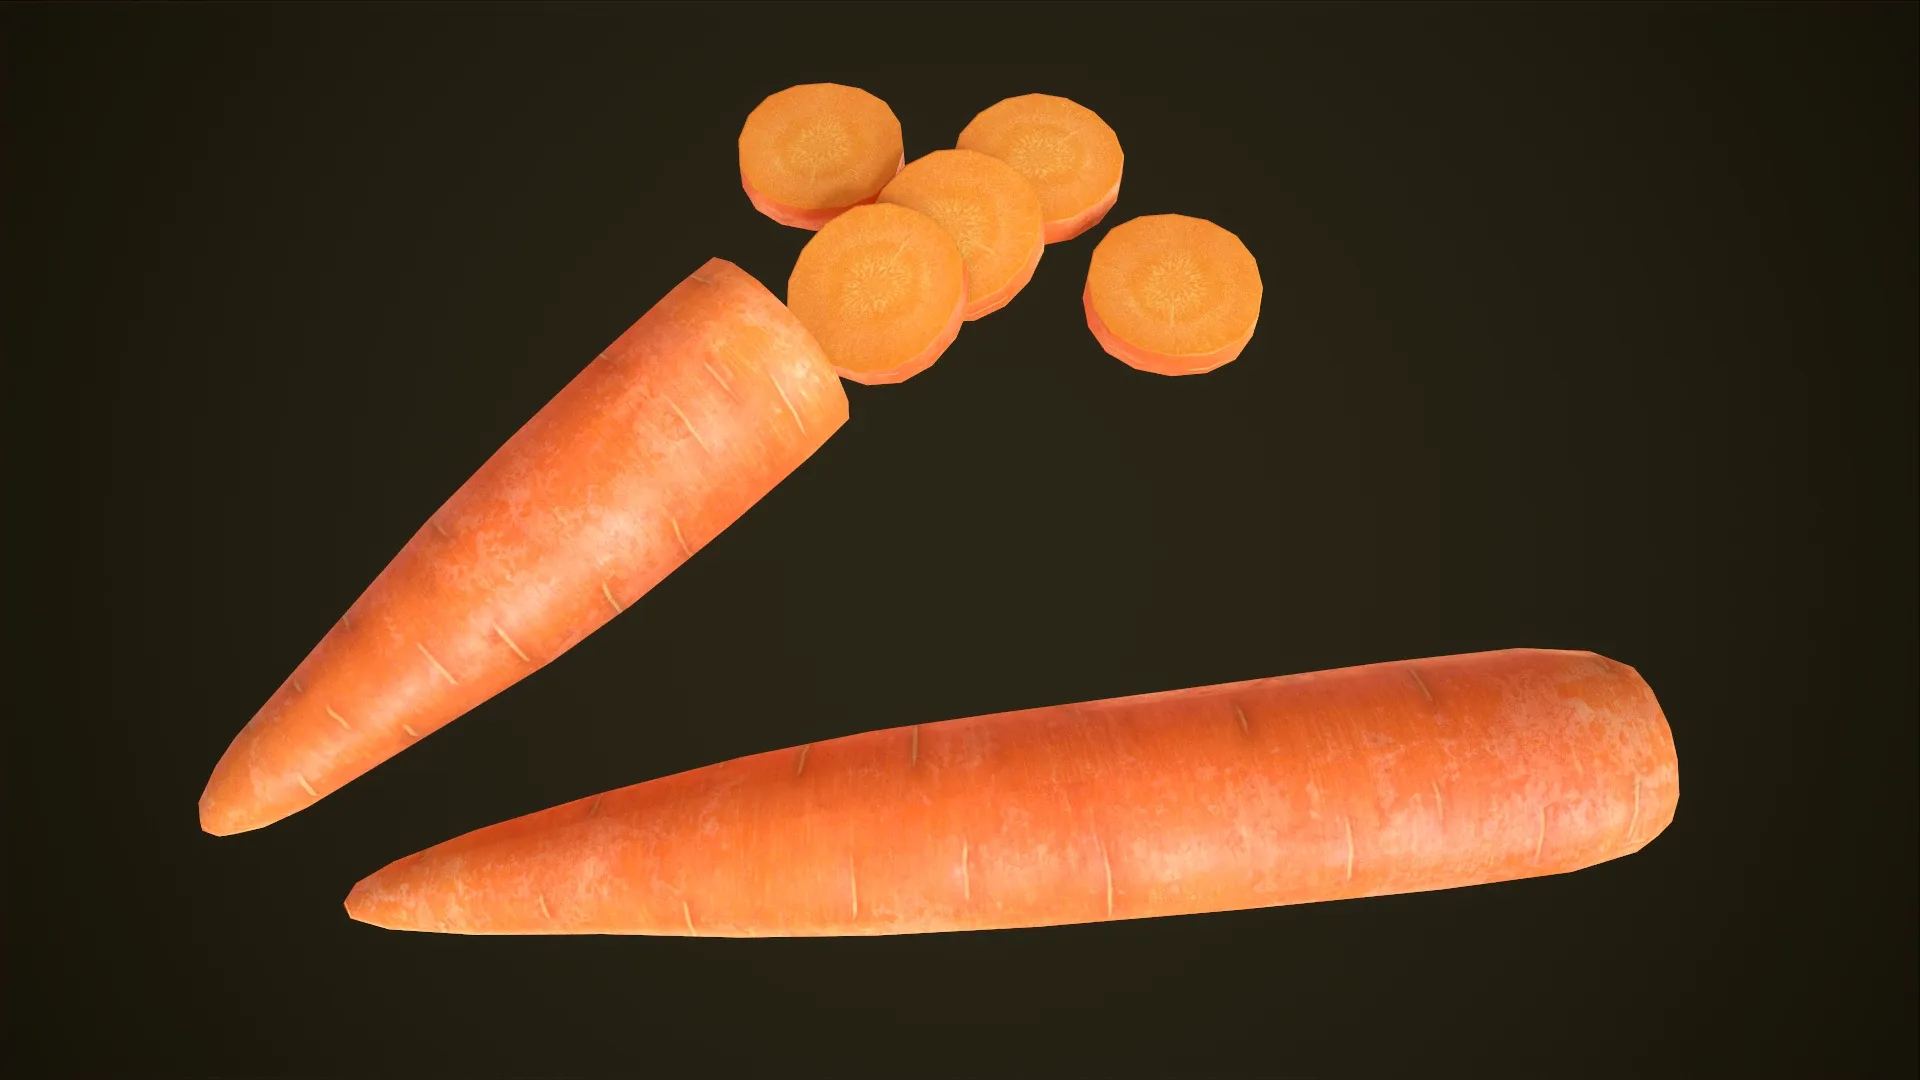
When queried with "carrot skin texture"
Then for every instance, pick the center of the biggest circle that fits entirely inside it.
(692, 415)
(1136, 357)
(1366, 781)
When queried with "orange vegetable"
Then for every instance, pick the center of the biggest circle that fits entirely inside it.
(684, 422)
(1390, 778)
(1069, 155)
(809, 152)
(883, 289)
(991, 212)
(1172, 295)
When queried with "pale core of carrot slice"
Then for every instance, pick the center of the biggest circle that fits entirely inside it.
(809, 152)
(1171, 294)
(991, 212)
(883, 290)
(1069, 155)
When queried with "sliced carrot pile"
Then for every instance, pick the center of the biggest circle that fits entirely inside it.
(1069, 155)
(809, 152)
(883, 290)
(1172, 294)
(991, 212)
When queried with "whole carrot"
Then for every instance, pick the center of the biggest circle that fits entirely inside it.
(1390, 778)
(683, 423)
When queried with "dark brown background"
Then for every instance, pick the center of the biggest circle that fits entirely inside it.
(1587, 327)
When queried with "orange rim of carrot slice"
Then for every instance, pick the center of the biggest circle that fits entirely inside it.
(991, 212)
(1069, 155)
(883, 290)
(809, 152)
(1171, 294)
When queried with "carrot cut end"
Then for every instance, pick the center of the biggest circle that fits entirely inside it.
(809, 152)
(991, 212)
(1172, 295)
(1065, 150)
(883, 289)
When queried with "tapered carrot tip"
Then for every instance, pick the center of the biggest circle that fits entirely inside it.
(883, 288)
(1070, 156)
(699, 409)
(1390, 778)
(808, 153)
(1171, 294)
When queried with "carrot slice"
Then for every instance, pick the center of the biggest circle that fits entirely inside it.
(1069, 155)
(883, 288)
(680, 426)
(1171, 294)
(809, 152)
(991, 212)
(1367, 781)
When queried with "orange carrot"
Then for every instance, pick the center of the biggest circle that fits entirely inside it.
(1171, 294)
(1366, 781)
(991, 212)
(809, 152)
(680, 426)
(883, 289)
(1069, 155)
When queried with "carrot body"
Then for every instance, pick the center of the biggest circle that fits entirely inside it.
(883, 289)
(1389, 778)
(991, 212)
(1171, 294)
(680, 426)
(1069, 155)
(810, 152)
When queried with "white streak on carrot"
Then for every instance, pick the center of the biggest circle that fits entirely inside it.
(595, 808)
(853, 885)
(1106, 867)
(913, 756)
(689, 423)
(800, 765)
(544, 913)
(297, 688)
(1439, 804)
(338, 717)
(408, 728)
(1635, 819)
(435, 522)
(678, 536)
(1241, 713)
(719, 379)
(1541, 843)
(1348, 822)
(307, 786)
(436, 664)
(687, 914)
(608, 593)
(1422, 684)
(345, 622)
(784, 400)
(510, 644)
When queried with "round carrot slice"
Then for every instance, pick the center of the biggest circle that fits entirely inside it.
(991, 212)
(1069, 155)
(809, 152)
(1171, 294)
(883, 289)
